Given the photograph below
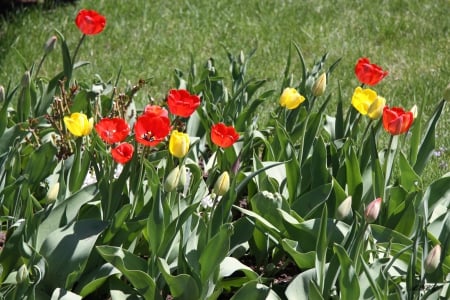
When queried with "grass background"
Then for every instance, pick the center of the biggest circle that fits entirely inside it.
(149, 39)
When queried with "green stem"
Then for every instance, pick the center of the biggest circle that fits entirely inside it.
(77, 48)
(40, 65)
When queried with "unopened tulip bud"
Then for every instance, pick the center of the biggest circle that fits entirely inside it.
(344, 208)
(52, 192)
(50, 44)
(2, 93)
(414, 111)
(22, 274)
(26, 79)
(222, 184)
(447, 93)
(433, 259)
(320, 85)
(372, 210)
(182, 178)
(172, 179)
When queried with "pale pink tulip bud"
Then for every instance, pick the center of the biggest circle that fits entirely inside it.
(433, 259)
(372, 210)
(50, 44)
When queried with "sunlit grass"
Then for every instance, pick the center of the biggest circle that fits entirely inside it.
(149, 39)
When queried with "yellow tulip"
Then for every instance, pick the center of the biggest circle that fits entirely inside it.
(178, 144)
(78, 124)
(291, 99)
(366, 101)
(376, 108)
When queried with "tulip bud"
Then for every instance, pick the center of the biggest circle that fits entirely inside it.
(50, 44)
(372, 210)
(414, 111)
(2, 93)
(344, 208)
(52, 192)
(26, 79)
(222, 184)
(433, 259)
(172, 179)
(447, 93)
(320, 85)
(182, 178)
(22, 274)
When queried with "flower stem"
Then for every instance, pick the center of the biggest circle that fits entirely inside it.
(77, 48)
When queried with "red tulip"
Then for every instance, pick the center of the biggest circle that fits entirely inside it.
(156, 111)
(122, 153)
(396, 120)
(151, 130)
(368, 73)
(112, 130)
(223, 136)
(181, 103)
(90, 22)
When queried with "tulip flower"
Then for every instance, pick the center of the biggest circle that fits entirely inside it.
(78, 124)
(178, 144)
(433, 259)
(222, 184)
(367, 102)
(176, 178)
(150, 131)
(396, 120)
(367, 73)
(291, 99)
(372, 210)
(155, 111)
(320, 85)
(182, 103)
(223, 136)
(112, 130)
(90, 22)
(122, 153)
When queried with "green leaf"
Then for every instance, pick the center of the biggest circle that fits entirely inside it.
(64, 213)
(67, 250)
(354, 178)
(314, 291)
(92, 281)
(438, 193)
(215, 252)
(428, 142)
(155, 223)
(181, 286)
(348, 279)
(41, 163)
(298, 288)
(319, 171)
(133, 268)
(252, 290)
(302, 260)
(408, 177)
(307, 204)
(8, 137)
(321, 249)
(67, 61)
(230, 265)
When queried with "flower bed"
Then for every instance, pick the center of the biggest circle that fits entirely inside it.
(190, 197)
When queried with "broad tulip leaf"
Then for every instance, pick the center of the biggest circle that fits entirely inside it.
(348, 279)
(61, 294)
(182, 286)
(92, 281)
(215, 252)
(437, 193)
(319, 171)
(321, 249)
(255, 291)
(64, 213)
(298, 288)
(354, 178)
(230, 265)
(302, 260)
(133, 268)
(67, 250)
(308, 203)
(41, 164)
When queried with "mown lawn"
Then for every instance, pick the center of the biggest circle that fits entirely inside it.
(149, 39)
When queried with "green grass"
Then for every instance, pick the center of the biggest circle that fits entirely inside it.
(149, 39)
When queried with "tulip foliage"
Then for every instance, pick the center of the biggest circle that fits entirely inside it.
(107, 195)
